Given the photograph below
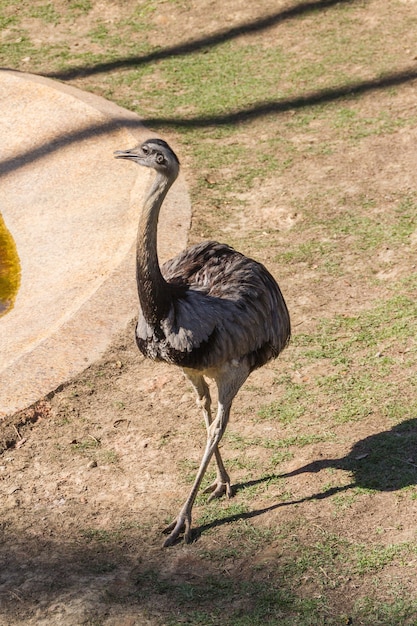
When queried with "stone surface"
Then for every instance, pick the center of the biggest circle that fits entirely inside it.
(72, 210)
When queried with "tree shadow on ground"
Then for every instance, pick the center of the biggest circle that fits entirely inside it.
(386, 461)
(97, 574)
(74, 581)
(203, 43)
(256, 111)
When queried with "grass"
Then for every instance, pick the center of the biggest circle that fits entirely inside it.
(276, 119)
(212, 598)
(45, 12)
(364, 355)
(388, 325)
(206, 599)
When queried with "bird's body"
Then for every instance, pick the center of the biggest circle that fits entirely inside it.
(214, 317)
(210, 310)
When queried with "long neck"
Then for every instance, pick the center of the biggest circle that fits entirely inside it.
(153, 290)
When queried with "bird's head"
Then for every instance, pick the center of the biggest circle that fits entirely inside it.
(154, 153)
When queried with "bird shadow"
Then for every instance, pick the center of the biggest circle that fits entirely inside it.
(386, 461)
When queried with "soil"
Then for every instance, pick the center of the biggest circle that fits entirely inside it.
(91, 474)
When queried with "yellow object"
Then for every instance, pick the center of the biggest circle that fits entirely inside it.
(9, 269)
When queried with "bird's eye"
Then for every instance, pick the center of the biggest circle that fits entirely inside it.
(160, 159)
(145, 149)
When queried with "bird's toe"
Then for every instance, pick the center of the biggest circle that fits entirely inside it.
(218, 489)
(182, 525)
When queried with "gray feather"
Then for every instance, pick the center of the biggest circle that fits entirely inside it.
(230, 307)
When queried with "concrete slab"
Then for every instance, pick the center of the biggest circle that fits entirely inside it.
(72, 210)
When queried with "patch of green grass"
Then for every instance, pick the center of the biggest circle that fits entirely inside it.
(90, 443)
(8, 20)
(311, 253)
(214, 599)
(324, 558)
(139, 19)
(188, 469)
(413, 493)
(297, 440)
(352, 397)
(371, 559)
(242, 463)
(355, 224)
(80, 6)
(344, 501)
(98, 535)
(237, 441)
(290, 407)
(272, 605)
(394, 319)
(406, 219)
(280, 456)
(99, 34)
(340, 338)
(213, 512)
(368, 233)
(356, 126)
(251, 536)
(46, 12)
(397, 611)
(200, 77)
(108, 457)
(14, 50)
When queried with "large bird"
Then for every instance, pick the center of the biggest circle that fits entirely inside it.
(212, 311)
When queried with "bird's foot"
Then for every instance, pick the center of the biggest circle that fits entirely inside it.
(219, 489)
(181, 525)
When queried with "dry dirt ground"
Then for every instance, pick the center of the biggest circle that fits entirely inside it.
(91, 474)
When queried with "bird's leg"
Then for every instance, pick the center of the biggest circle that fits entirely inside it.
(229, 380)
(183, 521)
(222, 483)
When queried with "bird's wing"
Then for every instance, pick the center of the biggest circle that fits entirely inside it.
(191, 321)
(217, 328)
(230, 307)
(189, 326)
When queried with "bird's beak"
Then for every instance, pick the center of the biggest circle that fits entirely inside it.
(124, 154)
